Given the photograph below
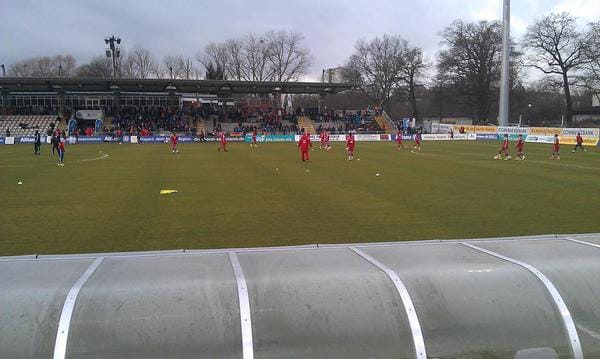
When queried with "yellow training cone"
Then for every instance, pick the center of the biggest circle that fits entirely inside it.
(168, 191)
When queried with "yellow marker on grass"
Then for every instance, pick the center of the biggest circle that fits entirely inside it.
(168, 191)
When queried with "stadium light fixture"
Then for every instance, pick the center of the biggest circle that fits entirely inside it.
(113, 50)
(3, 70)
(170, 87)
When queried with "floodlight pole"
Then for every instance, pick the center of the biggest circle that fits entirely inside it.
(113, 51)
(505, 74)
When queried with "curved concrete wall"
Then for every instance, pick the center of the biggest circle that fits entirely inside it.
(534, 297)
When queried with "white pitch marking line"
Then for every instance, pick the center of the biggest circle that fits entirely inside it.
(95, 158)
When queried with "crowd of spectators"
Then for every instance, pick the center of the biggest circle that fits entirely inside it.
(28, 111)
(137, 120)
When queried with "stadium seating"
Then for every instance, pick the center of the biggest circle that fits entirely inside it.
(382, 123)
(307, 124)
(22, 125)
(200, 126)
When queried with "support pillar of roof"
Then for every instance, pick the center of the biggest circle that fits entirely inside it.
(320, 102)
(117, 101)
(5, 102)
(61, 104)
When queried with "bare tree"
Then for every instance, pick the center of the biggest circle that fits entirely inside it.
(217, 55)
(100, 66)
(235, 64)
(256, 58)
(377, 68)
(127, 68)
(159, 71)
(170, 66)
(557, 47)
(142, 61)
(289, 60)
(591, 75)
(46, 66)
(185, 68)
(214, 72)
(471, 62)
(276, 56)
(413, 69)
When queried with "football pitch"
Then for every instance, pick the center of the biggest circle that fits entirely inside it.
(106, 197)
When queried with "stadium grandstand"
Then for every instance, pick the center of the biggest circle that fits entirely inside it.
(185, 106)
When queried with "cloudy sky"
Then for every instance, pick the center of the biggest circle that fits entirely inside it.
(35, 28)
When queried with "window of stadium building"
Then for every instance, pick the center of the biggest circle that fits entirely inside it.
(88, 102)
(145, 101)
(33, 101)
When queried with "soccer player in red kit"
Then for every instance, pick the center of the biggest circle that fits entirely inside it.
(174, 140)
(223, 143)
(579, 141)
(519, 147)
(327, 144)
(417, 144)
(254, 143)
(304, 144)
(399, 139)
(556, 148)
(322, 139)
(61, 150)
(503, 150)
(350, 146)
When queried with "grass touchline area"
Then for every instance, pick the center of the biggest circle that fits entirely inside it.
(106, 198)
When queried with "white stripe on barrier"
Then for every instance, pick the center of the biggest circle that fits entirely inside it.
(567, 319)
(64, 323)
(245, 316)
(411, 313)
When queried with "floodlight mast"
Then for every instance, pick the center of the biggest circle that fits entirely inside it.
(505, 74)
(113, 51)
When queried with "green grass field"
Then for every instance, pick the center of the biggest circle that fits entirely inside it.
(240, 199)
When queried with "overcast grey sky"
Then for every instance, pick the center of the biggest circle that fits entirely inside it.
(36, 28)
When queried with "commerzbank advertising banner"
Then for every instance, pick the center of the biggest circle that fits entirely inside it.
(571, 140)
(510, 130)
(445, 128)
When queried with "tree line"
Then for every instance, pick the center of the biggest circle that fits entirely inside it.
(386, 70)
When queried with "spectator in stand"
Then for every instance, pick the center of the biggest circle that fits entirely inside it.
(7, 132)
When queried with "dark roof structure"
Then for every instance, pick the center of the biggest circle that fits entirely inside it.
(221, 87)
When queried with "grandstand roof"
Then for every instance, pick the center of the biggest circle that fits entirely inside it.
(73, 84)
(527, 297)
